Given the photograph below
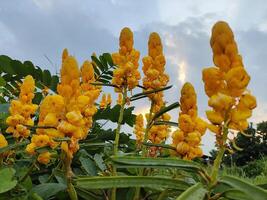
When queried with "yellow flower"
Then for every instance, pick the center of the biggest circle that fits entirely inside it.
(3, 141)
(213, 79)
(44, 158)
(186, 123)
(221, 101)
(214, 117)
(30, 148)
(237, 80)
(40, 140)
(65, 54)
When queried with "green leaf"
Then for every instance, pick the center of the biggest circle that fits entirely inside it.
(129, 181)
(13, 146)
(235, 195)
(131, 161)
(2, 81)
(108, 58)
(4, 108)
(19, 68)
(54, 82)
(166, 109)
(6, 177)
(5, 65)
(46, 77)
(195, 192)
(256, 193)
(87, 195)
(98, 63)
(38, 96)
(47, 190)
(104, 62)
(88, 165)
(175, 124)
(150, 92)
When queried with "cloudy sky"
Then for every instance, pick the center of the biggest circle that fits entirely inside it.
(39, 29)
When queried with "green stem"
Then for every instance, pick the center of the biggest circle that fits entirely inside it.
(144, 148)
(70, 188)
(219, 157)
(162, 194)
(28, 172)
(117, 137)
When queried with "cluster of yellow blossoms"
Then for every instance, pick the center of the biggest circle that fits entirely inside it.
(153, 68)
(68, 114)
(226, 83)
(187, 139)
(139, 129)
(127, 74)
(21, 110)
(155, 78)
(105, 101)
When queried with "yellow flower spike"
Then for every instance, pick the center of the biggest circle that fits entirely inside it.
(127, 74)
(191, 128)
(109, 99)
(44, 158)
(21, 110)
(3, 141)
(65, 54)
(87, 72)
(103, 102)
(226, 84)
(139, 128)
(126, 40)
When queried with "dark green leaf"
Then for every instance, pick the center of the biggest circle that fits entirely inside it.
(108, 57)
(6, 177)
(47, 190)
(195, 192)
(46, 77)
(166, 109)
(129, 181)
(256, 193)
(131, 161)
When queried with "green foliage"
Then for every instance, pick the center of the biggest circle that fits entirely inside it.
(7, 179)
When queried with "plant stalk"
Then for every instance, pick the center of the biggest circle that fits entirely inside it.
(219, 157)
(117, 137)
(144, 148)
